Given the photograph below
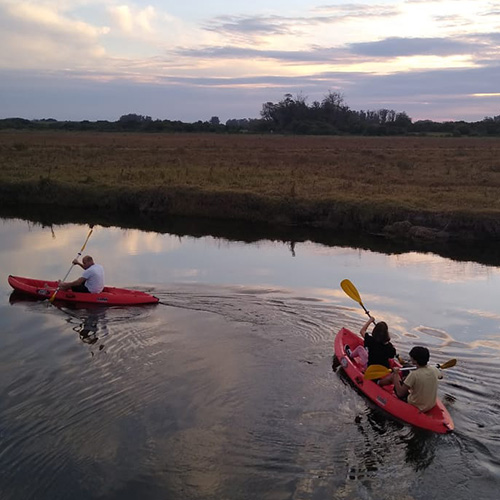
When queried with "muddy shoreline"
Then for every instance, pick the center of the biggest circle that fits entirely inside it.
(153, 207)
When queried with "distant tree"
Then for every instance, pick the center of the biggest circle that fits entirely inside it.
(335, 112)
(402, 120)
(132, 117)
(237, 122)
(214, 120)
(16, 123)
(284, 115)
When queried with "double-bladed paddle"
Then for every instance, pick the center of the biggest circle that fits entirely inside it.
(374, 372)
(379, 371)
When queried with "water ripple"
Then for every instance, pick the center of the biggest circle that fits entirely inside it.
(218, 389)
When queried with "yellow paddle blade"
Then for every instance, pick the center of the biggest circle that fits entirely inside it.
(376, 371)
(351, 291)
(448, 364)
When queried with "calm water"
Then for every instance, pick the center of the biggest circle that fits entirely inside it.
(225, 389)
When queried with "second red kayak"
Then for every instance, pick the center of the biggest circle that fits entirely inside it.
(437, 419)
(112, 296)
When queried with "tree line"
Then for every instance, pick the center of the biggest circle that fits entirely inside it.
(291, 115)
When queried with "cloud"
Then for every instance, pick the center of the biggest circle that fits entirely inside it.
(45, 19)
(436, 56)
(398, 47)
(314, 54)
(39, 36)
(253, 27)
(354, 11)
(133, 21)
(386, 48)
(256, 25)
(422, 94)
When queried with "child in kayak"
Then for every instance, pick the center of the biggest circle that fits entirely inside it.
(420, 386)
(377, 349)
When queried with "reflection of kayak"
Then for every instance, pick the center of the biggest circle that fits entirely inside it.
(437, 419)
(43, 289)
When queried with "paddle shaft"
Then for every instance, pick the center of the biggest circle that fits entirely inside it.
(367, 312)
(379, 371)
(447, 364)
(79, 253)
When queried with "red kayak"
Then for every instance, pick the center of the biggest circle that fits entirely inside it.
(437, 419)
(111, 296)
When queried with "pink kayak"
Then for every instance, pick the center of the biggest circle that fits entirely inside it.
(44, 289)
(437, 419)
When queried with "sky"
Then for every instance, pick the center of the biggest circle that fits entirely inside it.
(194, 59)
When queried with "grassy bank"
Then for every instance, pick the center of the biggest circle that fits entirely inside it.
(448, 185)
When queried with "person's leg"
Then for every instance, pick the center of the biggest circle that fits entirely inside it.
(80, 289)
(386, 380)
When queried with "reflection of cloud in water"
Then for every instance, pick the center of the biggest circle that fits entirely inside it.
(491, 344)
(440, 269)
(311, 248)
(484, 314)
(57, 246)
(137, 242)
(434, 332)
(431, 266)
(66, 237)
(327, 292)
(186, 273)
(445, 337)
(262, 271)
(398, 326)
(448, 340)
(40, 238)
(366, 298)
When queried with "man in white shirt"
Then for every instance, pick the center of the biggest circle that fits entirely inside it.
(91, 280)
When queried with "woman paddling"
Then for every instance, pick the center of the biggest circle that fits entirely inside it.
(379, 347)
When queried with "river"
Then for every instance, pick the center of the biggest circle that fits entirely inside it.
(225, 389)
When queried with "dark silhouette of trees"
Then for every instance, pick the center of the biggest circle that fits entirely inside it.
(331, 116)
(291, 115)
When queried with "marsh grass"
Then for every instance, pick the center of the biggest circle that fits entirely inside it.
(432, 174)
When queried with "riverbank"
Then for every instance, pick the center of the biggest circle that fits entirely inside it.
(405, 188)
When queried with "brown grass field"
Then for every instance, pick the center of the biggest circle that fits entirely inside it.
(424, 174)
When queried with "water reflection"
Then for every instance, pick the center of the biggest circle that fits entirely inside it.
(253, 232)
(90, 322)
(420, 449)
(379, 431)
(224, 390)
(17, 297)
(91, 325)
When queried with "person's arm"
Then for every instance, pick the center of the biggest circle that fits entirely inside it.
(76, 263)
(362, 332)
(64, 285)
(400, 388)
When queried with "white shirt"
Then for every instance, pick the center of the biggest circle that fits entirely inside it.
(94, 278)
